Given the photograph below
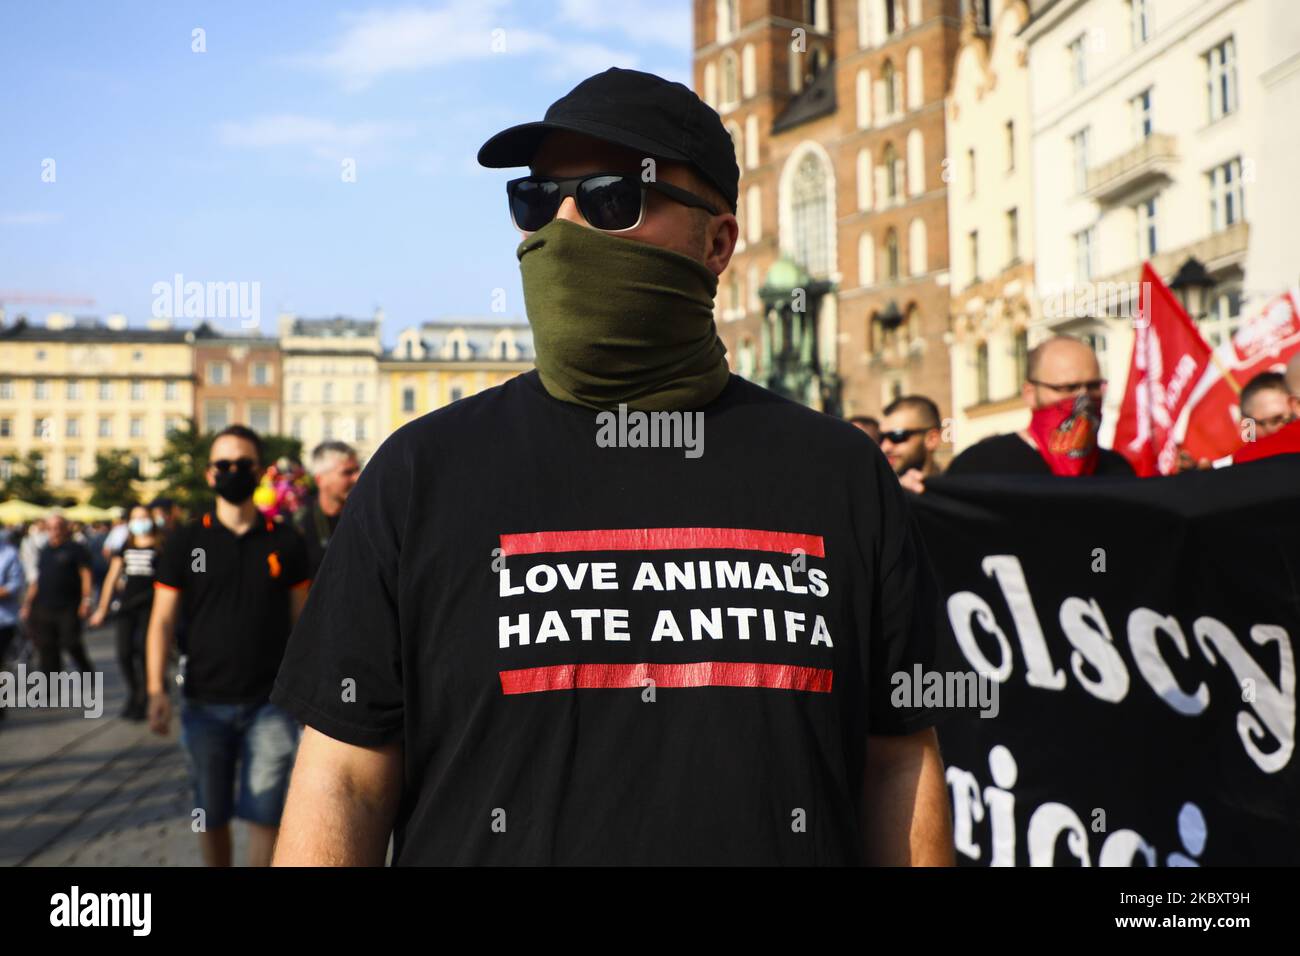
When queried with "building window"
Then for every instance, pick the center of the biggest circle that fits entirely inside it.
(105, 391)
(1142, 122)
(1146, 221)
(171, 424)
(327, 392)
(74, 390)
(973, 251)
(889, 76)
(981, 373)
(6, 428)
(260, 373)
(1078, 61)
(41, 389)
(137, 391)
(1079, 151)
(1083, 254)
(1227, 201)
(970, 172)
(41, 429)
(137, 427)
(296, 429)
(105, 427)
(1013, 236)
(1222, 320)
(218, 373)
(41, 467)
(295, 392)
(1011, 145)
(170, 391)
(359, 393)
(1022, 356)
(6, 388)
(1139, 20)
(40, 355)
(408, 400)
(890, 160)
(6, 469)
(917, 251)
(892, 24)
(457, 393)
(728, 19)
(810, 206)
(216, 416)
(72, 468)
(73, 428)
(327, 428)
(730, 80)
(1221, 79)
(259, 417)
(891, 254)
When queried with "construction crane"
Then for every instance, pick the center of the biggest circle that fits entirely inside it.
(53, 298)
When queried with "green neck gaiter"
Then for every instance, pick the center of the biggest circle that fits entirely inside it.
(620, 321)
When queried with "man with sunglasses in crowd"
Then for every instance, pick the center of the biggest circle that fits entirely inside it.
(529, 687)
(1064, 391)
(910, 435)
(240, 580)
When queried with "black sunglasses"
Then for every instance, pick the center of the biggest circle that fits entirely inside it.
(900, 435)
(1092, 385)
(610, 202)
(224, 465)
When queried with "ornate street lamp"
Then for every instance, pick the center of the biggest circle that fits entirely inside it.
(1192, 285)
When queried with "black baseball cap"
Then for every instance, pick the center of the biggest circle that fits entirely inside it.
(638, 110)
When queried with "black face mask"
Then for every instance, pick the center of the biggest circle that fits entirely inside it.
(236, 486)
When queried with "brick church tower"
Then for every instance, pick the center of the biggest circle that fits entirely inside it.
(838, 292)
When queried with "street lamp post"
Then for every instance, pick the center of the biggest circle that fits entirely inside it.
(1192, 285)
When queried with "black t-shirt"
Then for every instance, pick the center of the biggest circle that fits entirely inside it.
(58, 575)
(1012, 455)
(501, 518)
(138, 568)
(235, 601)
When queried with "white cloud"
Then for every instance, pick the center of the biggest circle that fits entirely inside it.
(325, 138)
(416, 39)
(645, 21)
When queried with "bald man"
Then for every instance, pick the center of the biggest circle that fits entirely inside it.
(1063, 390)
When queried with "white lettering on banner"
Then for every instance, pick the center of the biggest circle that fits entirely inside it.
(1049, 822)
(1270, 713)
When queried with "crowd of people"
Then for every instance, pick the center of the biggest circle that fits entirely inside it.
(213, 598)
(1063, 391)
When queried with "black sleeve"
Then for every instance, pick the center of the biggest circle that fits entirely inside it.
(296, 567)
(83, 556)
(342, 672)
(174, 560)
(905, 626)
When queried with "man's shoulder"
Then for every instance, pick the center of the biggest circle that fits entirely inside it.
(791, 420)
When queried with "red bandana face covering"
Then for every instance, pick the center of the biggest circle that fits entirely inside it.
(1066, 435)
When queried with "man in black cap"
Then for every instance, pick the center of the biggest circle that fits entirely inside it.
(555, 625)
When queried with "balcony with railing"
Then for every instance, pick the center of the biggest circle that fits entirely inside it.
(1149, 160)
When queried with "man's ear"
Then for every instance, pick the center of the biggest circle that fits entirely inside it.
(720, 238)
(1027, 393)
(933, 439)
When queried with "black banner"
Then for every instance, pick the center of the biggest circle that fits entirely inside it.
(1141, 637)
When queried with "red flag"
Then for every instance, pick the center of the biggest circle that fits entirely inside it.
(1264, 343)
(1169, 358)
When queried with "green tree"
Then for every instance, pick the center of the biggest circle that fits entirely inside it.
(275, 447)
(27, 480)
(112, 480)
(184, 460)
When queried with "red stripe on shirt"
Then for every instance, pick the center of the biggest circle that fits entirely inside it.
(532, 680)
(159, 586)
(663, 539)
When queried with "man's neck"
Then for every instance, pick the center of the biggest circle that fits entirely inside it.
(238, 518)
(329, 506)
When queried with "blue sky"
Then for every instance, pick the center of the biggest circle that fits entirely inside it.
(227, 165)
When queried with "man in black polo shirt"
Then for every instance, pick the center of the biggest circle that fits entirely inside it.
(59, 599)
(557, 642)
(240, 581)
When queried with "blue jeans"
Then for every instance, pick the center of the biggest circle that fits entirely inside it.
(239, 756)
